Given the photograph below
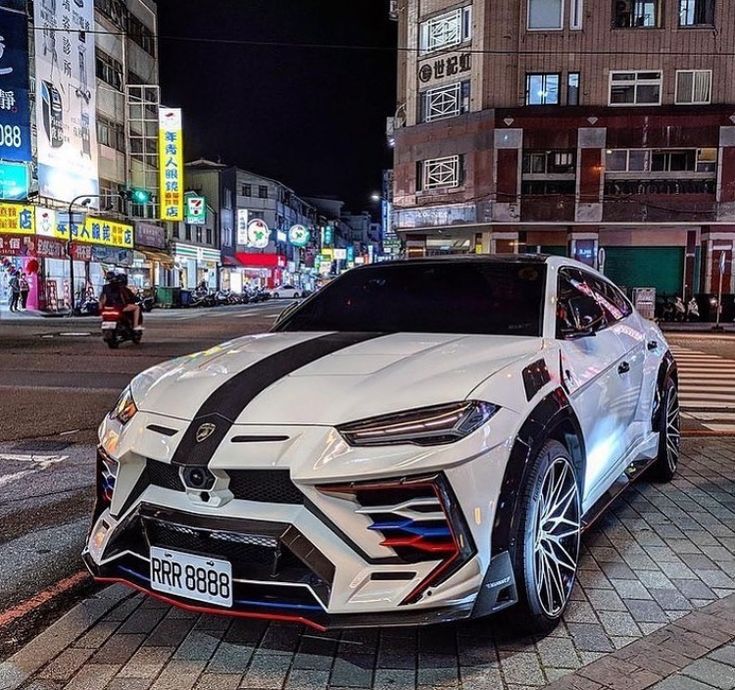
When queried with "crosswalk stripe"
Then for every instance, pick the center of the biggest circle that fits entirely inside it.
(707, 389)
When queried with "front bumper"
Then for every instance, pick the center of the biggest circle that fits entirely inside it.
(290, 583)
(333, 568)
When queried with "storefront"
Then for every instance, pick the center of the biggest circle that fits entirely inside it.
(25, 255)
(262, 270)
(194, 265)
(152, 266)
(98, 245)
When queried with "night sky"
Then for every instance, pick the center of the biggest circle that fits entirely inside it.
(312, 118)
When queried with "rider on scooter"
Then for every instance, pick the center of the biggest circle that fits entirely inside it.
(116, 293)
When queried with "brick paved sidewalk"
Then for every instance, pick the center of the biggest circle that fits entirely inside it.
(654, 608)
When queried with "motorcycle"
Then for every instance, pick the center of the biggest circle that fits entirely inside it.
(117, 327)
(692, 310)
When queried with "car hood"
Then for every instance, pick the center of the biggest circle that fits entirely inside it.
(382, 374)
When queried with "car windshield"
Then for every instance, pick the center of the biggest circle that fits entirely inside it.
(472, 297)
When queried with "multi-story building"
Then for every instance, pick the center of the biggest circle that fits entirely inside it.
(570, 126)
(81, 98)
(241, 197)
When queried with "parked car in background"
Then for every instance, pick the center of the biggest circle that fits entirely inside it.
(285, 292)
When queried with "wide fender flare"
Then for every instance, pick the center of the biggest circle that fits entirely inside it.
(552, 413)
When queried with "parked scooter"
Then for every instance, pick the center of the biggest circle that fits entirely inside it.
(693, 310)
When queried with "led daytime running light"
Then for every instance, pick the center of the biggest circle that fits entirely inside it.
(427, 426)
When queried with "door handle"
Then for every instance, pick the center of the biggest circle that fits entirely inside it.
(653, 344)
(624, 368)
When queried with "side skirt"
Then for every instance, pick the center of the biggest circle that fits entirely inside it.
(631, 474)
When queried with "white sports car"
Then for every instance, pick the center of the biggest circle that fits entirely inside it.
(419, 442)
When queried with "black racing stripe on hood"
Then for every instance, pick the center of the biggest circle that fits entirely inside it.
(226, 404)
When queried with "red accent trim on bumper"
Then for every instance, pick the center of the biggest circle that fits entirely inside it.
(205, 609)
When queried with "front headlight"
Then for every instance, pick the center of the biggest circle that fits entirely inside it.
(426, 426)
(125, 408)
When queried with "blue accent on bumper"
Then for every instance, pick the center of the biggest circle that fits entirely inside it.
(411, 527)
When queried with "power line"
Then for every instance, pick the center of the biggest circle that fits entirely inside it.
(377, 48)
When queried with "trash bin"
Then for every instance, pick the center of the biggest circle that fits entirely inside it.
(184, 298)
(165, 297)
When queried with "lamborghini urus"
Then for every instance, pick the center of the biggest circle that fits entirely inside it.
(418, 442)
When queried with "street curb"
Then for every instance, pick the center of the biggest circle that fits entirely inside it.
(660, 655)
(57, 637)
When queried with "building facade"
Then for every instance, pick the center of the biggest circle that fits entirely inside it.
(81, 99)
(567, 127)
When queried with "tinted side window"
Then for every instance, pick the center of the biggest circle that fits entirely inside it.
(578, 309)
(612, 302)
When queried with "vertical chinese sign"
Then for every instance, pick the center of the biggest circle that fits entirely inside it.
(15, 124)
(66, 98)
(171, 164)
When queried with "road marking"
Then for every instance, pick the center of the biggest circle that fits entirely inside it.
(43, 461)
(707, 389)
(30, 605)
(12, 478)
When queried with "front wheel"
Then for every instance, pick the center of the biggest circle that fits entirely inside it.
(276, 296)
(667, 420)
(547, 539)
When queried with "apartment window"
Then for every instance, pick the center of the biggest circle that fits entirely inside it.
(114, 10)
(661, 160)
(445, 101)
(549, 163)
(696, 12)
(545, 14)
(188, 233)
(542, 89)
(110, 198)
(693, 86)
(445, 30)
(575, 14)
(109, 70)
(573, 88)
(209, 235)
(440, 173)
(635, 88)
(110, 134)
(629, 14)
(262, 191)
(246, 190)
(141, 34)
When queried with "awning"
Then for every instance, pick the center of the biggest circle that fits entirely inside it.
(156, 255)
(230, 261)
(253, 260)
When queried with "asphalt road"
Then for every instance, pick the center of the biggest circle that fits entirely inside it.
(57, 380)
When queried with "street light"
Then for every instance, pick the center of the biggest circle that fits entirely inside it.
(87, 201)
(375, 196)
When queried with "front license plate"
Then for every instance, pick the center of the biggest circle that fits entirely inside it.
(109, 325)
(194, 577)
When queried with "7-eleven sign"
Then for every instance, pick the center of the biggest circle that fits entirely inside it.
(196, 210)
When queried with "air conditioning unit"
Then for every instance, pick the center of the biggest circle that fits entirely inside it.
(393, 10)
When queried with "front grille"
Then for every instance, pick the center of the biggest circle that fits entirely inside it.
(265, 486)
(164, 475)
(262, 486)
(242, 555)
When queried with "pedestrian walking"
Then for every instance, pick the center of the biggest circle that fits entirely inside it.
(14, 286)
(25, 288)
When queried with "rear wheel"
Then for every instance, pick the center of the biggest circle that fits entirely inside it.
(112, 343)
(547, 539)
(667, 418)
(276, 296)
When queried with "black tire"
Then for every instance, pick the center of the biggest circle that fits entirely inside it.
(667, 421)
(296, 295)
(545, 570)
(276, 296)
(113, 344)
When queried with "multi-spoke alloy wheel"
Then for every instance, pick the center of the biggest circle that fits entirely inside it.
(557, 530)
(673, 428)
(667, 421)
